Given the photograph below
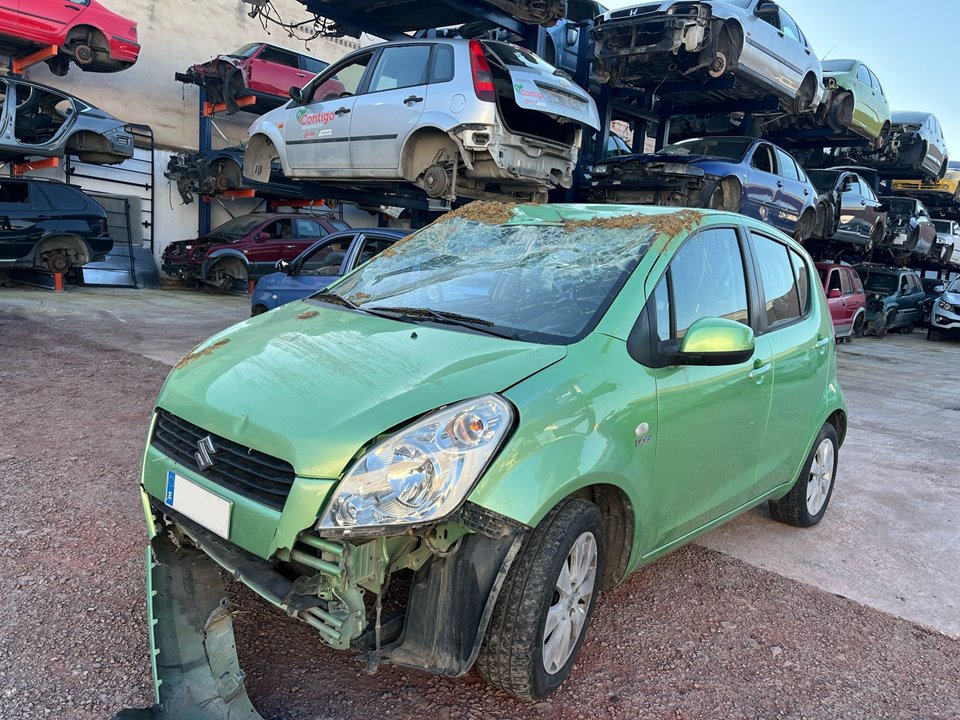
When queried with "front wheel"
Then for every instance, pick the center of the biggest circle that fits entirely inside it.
(933, 335)
(806, 503)
(543, 610)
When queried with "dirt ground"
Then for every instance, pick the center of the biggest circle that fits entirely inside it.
(696, 635)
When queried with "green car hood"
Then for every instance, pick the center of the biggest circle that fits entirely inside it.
(312, 384)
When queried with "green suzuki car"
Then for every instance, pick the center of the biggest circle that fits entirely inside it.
(855, 100)
(443, 459)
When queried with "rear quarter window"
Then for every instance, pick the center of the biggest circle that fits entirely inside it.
(64, 198)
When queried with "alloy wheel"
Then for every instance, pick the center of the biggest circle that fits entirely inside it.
(567, 615)
(821, 477)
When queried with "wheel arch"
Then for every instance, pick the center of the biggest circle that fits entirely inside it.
(415, 150)
(261, 151)
(87, 30)
(63, 242)
(734, 30)
(219, 255)
(92, 147)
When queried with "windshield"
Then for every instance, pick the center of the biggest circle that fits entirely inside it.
(823, 180)
(954, 286)
(238, 226)
(838, 66)
(547, 283)
(880, 283)
(246, 50)
(724, 147)
(899, 206)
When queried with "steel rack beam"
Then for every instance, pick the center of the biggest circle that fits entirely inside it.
(360, 22)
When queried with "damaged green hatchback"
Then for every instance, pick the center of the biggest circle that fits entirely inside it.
(442, 459)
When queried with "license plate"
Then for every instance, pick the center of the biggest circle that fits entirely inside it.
(198, 504)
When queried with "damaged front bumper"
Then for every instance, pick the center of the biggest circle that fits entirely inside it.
(335, 586)
(665, 184)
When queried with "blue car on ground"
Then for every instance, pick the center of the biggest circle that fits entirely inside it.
(740, 174)
(319, 265)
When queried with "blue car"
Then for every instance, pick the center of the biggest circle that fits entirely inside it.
(741, 174)
(319, 265)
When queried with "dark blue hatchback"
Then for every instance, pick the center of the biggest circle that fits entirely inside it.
(319, 265)
(740, 174)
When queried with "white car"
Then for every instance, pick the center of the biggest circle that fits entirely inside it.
(754, 41)
(468, 118)
(945, 316)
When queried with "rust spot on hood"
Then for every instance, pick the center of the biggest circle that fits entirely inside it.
(194, 354)
(488, 212)
(671, 224)
(307, 314)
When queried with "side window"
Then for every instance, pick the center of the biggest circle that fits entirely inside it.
(350, 75)
(779, 283)
(400, 67)
(863, 75)
(789, 27)
(876, 83)
(308, 228)
(312, 65)
(847, 285)
(858, 286)
(327, 259)
(867, 192)
(788, 168)
(64, 198)
(279, 230)
(707, 280)
(856, 188)
(835, 282)
(442, 68)
(763, 160)
(661, 298)
(14, 195)
(768, 15)
(279, 57)
(372, 246)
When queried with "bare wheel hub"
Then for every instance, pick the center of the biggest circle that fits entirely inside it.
(436, 181)
(83, 54)
(718, 66)
(58, 262)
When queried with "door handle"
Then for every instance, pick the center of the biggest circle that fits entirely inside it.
(341, 111)
(413, 99)
(780, 184)
(806, 192)
(821, 345)
(759, 372)
(301, 74)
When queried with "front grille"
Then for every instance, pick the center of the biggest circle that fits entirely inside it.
(247, 472)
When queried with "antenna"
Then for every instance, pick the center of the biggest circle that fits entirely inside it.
(828, 53)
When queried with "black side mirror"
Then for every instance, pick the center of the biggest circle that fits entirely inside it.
(883, 207)
(283, 266)
(767, 9)
(296, 94)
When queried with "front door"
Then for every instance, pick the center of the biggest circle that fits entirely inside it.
(49, 22)
(391, 107)
(20, 229)
(262, 255)
(317, 133)
(762, 189)
(710, 420)
(316, 269)
(794, 194)
(275, 71)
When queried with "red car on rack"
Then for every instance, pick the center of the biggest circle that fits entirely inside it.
(95, 38)
(846, 299)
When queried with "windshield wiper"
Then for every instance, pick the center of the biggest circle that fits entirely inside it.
(334, 299)
(445, 318)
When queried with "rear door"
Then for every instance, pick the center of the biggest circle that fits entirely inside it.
(317, 134)
(368, 247)
(275, 71)
(539, 86)
(856, 299)
(864, 113)
(24, 219)
(391, 105)
(763, 188)
(794, 193)
(833, 286)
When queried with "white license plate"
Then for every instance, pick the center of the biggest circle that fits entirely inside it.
(201, 506)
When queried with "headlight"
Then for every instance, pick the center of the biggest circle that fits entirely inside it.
(601, 170)
(944, 305)
(422, 473)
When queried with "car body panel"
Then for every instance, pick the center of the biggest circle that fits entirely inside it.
(298, 282)
(850, 306)
(945, 313)
(680, 38)
(909, 227)
(893, 293)
(948, 239)
(403, 118)
(916, 149)
(869, 112)
(854, 214)
(63, 23)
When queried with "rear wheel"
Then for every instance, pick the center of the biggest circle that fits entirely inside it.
(806, 503)
(543, 610)
(858, 327)
(943, 171)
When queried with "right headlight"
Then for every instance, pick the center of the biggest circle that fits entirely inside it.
(422, 473)
(944, 305)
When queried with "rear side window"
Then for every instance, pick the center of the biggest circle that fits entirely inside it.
(789, 27)
(781, 294)
(278, 57)
(858, 286)
(402, 66)
(15, 193)
(63, 198)
(847, 285)
(801, 273)
(309, 228)
(442, 69)
(326, 260)
(707, 280)
(835, 282)
(863, 75)
(339, 225)
(788, 168)
(314, 66)
(372, 246)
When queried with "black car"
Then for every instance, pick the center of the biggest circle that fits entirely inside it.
(49, 225)
(848, 210)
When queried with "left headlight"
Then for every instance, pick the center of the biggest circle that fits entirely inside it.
(422, 473)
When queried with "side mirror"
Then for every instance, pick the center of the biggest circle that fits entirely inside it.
(835, 294)
(716, 341)
(296, 94)
(883, 207)
(283, 266)
(573, 36)
(262, 237)
(767, 9)
(940, 289)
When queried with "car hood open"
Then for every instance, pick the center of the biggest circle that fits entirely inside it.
(312, 383)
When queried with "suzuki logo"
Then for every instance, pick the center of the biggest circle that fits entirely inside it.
(205, 451)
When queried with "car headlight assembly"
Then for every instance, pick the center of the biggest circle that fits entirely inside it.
(601, 170)
(422, 473)
(944, 305)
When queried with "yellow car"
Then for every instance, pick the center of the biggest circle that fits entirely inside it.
(950, 185)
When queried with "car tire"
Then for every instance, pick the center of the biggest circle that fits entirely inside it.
(858, 328)
(258, 309)
(807, 501)
(933, 335)
(943, 170)
(227, 274)
(519, 654)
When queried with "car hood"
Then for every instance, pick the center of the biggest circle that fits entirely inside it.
(952, 298)
(312, 384)
(178, 247)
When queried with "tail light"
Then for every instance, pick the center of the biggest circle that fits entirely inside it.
(133, 31)
(482, 75)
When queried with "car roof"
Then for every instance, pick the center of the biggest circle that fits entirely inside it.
(909, 116)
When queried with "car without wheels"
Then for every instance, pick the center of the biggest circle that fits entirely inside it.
(754, 41)
(916, 149)
(855, 101)
(895, 299)
(455, 118)
(848, 211)
(745, 175)
(910, 231)
(497, 414)
(49, 225)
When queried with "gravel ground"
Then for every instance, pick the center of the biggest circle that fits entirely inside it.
(696, 635)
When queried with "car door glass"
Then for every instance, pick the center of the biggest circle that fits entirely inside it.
(788, 168)
(779, 282)
(372, 246)
(876, 82)
(308, 228)
(350, 75)
(326, 260)
(400, 67)
(867, 192)
(789, 27)
(14, 196)
(276, 56)
(312, 65)
(845, 282)
(707, 280)
(863, 75)
(767, 11)
(835, 282)
(857, 284)
(763, 160)
(278, 230)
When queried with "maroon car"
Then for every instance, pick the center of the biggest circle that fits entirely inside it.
(846, 299)
(258, 70)
(246, 248)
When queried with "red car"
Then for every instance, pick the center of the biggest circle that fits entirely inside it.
(95, 38)
(847, 301)
(265, 72)
(246, 248)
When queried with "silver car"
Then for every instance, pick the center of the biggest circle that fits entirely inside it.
(457, 118)
(945, 316)
(755, 41)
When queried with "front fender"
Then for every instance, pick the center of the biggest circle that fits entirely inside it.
(258, 156)
(217, 255)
